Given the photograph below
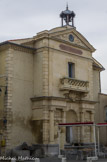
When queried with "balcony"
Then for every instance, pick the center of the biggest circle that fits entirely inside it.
(71, 84)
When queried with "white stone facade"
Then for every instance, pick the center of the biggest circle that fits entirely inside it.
(40, 94)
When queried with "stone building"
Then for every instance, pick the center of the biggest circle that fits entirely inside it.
(48, 79)
(101, 113)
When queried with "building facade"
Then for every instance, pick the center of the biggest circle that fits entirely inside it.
(49, 79)
(102, 118)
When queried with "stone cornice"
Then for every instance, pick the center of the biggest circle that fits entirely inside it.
(79, 35)
(48, 98)
(68, 43)
(33, 99)
(95, 67)
(7, 44)
(46, 48)
(103, 94)
(62, 41)
(88, 101)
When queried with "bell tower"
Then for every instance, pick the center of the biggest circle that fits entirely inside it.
(67, 16)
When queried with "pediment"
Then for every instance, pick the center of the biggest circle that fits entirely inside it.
(78, 39)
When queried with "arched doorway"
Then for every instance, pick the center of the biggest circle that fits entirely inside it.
(71, 132)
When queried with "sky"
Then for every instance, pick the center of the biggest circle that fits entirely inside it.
(25, 18)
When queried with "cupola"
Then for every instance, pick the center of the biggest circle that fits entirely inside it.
(67, 16)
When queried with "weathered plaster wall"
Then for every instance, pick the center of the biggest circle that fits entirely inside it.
(96, 91)
(2, 62)
(96, 84)
(2, 83)
(51, 64)
(38, 74)
(59, 69)
(101, 115)
(22, 90)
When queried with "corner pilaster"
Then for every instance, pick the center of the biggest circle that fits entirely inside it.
(45, 68)
(9, 95)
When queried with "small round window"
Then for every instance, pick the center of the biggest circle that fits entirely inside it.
(71, 38)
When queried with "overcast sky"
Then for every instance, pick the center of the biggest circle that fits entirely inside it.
(24, 18)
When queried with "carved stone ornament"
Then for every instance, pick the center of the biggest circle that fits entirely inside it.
(74, 96)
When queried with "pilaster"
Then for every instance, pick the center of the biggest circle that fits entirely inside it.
(51, 126)
(63, 129)
(82, 127)
(91, 81)
(9, 95)
(45, 69)
(46, 127)
(92, 132)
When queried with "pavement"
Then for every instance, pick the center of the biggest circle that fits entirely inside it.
(56, 159)
(49, 159)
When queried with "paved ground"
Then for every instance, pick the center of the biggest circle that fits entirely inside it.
(59, 160)
(55, 159)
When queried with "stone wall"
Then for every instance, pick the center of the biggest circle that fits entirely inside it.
(35, 103)
(2, 83)
(102, 116)
(20, 90)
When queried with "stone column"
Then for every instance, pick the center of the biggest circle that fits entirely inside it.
(51, 116)
(82, 128)
(92, 133)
